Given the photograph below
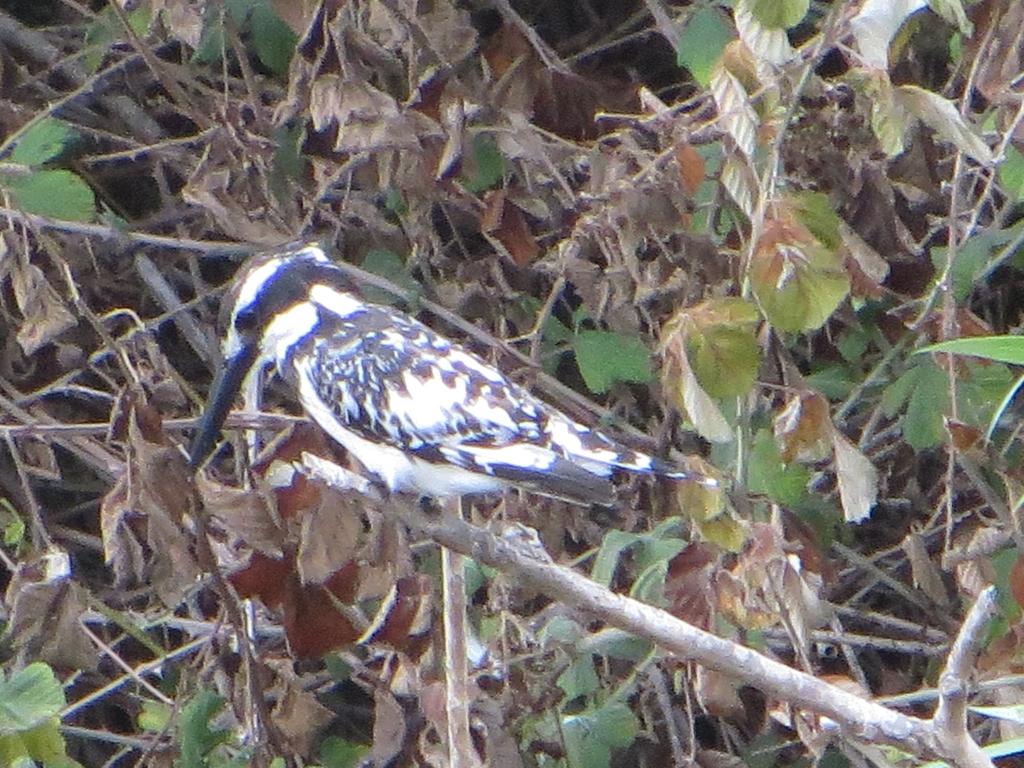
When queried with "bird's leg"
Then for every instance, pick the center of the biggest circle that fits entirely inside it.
(461, 753)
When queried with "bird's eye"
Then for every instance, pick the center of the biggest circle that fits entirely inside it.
(246, 319)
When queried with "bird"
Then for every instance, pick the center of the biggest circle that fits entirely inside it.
(420, 413)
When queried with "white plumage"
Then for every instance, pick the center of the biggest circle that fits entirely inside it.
(421, 414)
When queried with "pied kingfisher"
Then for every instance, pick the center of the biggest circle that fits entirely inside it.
(421, 414)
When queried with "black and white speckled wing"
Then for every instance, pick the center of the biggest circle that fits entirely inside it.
(391, 380)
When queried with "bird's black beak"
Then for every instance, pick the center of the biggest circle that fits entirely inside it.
(223, 391)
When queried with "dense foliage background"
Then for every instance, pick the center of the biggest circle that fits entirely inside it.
(724, 230)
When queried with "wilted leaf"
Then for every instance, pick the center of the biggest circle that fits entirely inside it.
(246, 514)
(691, 166)
(875, 25)
(868, 269)
(718, 337)
(736, 115)
(690, 398)
(504, 221)
(686, 584)
(702, 40)
(299, 717)
(798, 280)
(725, 531)
(45, 316)
(330, 538)
(804, 428)
(59, 194)
(926, 574)
(857, 478)
(718, 693)
(890, 120)
(768, 44)
(604, 357)
(44, 622)
(942, 116)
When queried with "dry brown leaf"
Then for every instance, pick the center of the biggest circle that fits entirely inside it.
(389, 728)
(298, 715)
(45, 615)
(38, 459)
(927, 577)
(44, 315)
(183, 19)
(868, 270)
(504, 221)
(148, 504)
(330, 537)
(366, 119)
(247, 515)
(857, 478)
(804, 428)
(719, 694)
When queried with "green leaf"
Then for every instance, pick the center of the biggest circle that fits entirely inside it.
(335, 752)
(43, 142)
(604, 357)
(579, 678)
(488, 165)
(779, 14)
(1005, 349)
(929, 402)
(616, 644)
(816, 212)
(155, 716)
(612, 547)
(1011, 173)
(196, 736)
(273, 40)
(389, 265)
(591, 735)
(289, 165)
(106, 28)
(45, 744)
(835, 382)
(799, 285)
(57, 194)
(29, 698)
(725, 360)
(953, 12)
(768, 474)
(702, 41)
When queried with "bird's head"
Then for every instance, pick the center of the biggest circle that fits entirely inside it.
(268, 308)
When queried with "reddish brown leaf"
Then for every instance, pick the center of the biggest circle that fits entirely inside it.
(504, 221)
(686, 584)
(691, 167)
